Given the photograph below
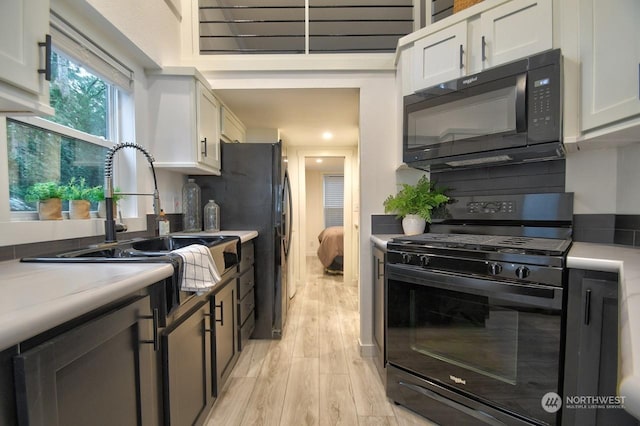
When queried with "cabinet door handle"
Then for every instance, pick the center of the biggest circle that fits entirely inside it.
(587, 307)
(155, 340)
(221, 320)
(484, 49)
(47, 57)
(204, 144)
(380, 263)
(461, 57)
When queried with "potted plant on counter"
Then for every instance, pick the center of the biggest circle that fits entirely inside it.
(414, 204)
(48, 195)
(97, 195)
(79, 196)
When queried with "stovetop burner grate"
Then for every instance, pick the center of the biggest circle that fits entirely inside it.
(500, 243)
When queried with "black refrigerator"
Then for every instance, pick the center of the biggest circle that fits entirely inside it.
(254, 193)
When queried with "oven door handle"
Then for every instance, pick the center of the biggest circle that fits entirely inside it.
(480, 415)
(535, 295)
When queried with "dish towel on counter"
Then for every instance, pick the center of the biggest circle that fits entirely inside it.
(199, 271)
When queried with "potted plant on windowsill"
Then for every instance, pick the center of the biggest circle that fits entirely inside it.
(97, 195)
(414, 204)
(48, 195)
(79, 196)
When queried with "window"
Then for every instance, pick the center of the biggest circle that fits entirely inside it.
(86, 124)
(333, 200)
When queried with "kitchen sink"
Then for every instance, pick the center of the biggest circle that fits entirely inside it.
(137, 250)
(164, 244)
(225, 252)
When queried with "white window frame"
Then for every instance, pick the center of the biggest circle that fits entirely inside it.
(21, 227)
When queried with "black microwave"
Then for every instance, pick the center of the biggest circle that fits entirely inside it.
(511, 113)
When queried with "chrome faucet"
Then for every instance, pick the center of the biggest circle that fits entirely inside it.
(110, 223)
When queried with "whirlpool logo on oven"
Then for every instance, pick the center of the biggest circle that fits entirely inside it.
(457, 380)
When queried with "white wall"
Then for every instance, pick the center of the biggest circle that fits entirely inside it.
(314, 209)
(605, 180)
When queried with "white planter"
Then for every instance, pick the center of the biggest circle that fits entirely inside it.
(412, 224)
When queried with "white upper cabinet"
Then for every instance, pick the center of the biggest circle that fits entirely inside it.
(497, 33)
(515, 30)
(23, 25)
(231, 128)
(184, 123)
(610, 61)
(208, 122)
(440, 56)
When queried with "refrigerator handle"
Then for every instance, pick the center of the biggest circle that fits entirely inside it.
(286, 195)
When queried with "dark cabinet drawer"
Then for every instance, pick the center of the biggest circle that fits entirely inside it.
(246, 306)
(246, 330)
(246, 281)
(246, 256)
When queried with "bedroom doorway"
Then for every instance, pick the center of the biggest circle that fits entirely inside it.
(324, 189)
(309, 211)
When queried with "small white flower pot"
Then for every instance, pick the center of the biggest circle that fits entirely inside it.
(412, 224)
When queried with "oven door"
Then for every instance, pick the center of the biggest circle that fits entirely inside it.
(494, 341)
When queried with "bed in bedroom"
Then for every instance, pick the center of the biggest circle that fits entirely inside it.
(331, 249)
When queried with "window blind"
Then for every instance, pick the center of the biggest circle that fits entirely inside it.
(83, 50)
(333, 200)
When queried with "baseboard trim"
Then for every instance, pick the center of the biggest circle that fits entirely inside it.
(367, 350)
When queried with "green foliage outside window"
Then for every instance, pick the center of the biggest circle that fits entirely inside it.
(81, 101)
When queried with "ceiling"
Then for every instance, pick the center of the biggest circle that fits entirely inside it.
(301, 115)
(326, 164)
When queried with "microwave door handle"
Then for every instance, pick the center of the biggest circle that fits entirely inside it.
(521, 103)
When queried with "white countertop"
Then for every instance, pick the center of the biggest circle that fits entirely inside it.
(39, 296)
(244, 235)
(625, 261)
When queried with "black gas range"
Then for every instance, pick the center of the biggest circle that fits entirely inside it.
(475, 310)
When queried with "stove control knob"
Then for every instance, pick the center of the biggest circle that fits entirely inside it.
(424, 260)
(522, 272)
(406, 258)
(495, 268)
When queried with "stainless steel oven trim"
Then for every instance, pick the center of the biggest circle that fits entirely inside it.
(538, 296)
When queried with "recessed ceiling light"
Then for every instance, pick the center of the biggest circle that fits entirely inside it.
(327, 135)
(318, 160)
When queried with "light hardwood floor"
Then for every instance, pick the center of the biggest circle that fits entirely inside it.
(314, 375)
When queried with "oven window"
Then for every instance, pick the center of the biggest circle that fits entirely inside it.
(502, 348)
(484, 114)
(465, 330)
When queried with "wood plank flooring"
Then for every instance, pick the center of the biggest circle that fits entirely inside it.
(314, 375)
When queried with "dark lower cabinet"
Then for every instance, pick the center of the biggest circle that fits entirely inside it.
(99, 373)
(379, 311)
(591, 361)
(223, 315)
(186, 346)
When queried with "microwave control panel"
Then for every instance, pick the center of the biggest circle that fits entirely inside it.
(543, 104)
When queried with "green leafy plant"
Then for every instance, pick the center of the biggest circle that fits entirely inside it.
(97, 194)
(419, 199)
(77, 189)
(44, 191)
